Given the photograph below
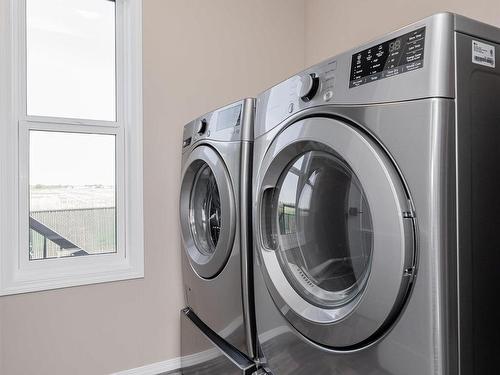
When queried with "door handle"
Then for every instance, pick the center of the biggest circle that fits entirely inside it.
(268, 239)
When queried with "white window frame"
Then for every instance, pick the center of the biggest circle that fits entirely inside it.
(17, 273)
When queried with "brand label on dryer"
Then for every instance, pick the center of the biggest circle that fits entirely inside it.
(483, 54)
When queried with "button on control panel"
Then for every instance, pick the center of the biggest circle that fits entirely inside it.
(328, 95)
(186, 142)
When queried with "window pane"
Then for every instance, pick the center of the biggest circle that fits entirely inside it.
(71, 58)
(72, 194)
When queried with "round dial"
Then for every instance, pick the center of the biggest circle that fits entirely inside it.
(309, 87)
(201, 126)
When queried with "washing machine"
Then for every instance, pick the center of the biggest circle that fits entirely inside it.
(215, 213)
(376, 180)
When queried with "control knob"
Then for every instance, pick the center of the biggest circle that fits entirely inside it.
(201, 127)
(309, 87)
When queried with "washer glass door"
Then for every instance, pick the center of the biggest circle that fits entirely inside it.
(324, 229)
(207, 211)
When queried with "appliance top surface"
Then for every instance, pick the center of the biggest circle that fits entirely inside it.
(414, 62)
(231, 123)
(475, 28)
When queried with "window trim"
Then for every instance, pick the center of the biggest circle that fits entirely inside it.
(17, 275)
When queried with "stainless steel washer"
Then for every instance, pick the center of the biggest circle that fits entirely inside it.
(216, 237)
(374, 180)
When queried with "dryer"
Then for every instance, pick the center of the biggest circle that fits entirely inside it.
(216, 237)
(375, 196)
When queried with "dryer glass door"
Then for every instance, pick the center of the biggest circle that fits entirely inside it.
(324, 229)
(335, 229)
(207, 212)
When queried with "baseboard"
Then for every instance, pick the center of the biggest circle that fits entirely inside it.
(169, 366)
(173, 365)
(198, 358)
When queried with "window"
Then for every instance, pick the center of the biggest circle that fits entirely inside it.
(70, 58)
(70, 143)
(72, 200)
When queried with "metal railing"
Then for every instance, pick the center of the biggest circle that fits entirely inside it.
(72, 232)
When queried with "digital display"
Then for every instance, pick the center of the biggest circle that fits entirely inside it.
(393, 57)
(229, 118)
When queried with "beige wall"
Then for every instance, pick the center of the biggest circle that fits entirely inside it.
(333, 26)
(197, 55)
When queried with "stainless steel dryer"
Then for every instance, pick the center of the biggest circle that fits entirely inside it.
(375, 197)
(216, 237)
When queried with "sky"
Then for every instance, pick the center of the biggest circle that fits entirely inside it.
(71, 73)
(71, 58)
(75, 159)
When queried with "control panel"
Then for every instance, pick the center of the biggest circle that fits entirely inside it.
(228, 118)
(224, 124)
(394, 68)
(312, 87)
(387, 59)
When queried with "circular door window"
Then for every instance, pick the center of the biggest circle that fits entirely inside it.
(333, 239)
(323, 229)
(205, 211)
